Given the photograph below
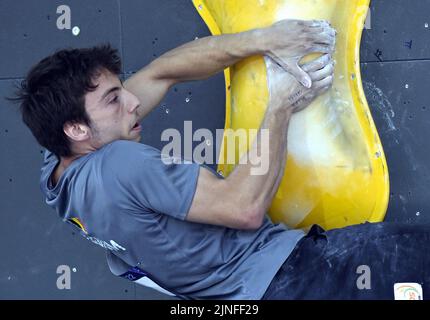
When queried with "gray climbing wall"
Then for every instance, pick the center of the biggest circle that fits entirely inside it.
(395, 53)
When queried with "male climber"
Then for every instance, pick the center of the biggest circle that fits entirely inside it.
(180, 225)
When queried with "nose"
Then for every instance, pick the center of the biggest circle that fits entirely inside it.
(132, 102)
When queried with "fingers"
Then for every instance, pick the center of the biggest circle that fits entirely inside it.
(291, 67)
(327, 37)
(301, 76)
(320, 36)
(322, 73)
(322, 79)
(320, 49)
(315, 23)
(323, 84)
(317, 64)
(319, 26)
(309, 26)
(320, 44)
(316, 70)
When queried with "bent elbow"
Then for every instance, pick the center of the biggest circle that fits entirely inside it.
(254, 218)
(253, 225)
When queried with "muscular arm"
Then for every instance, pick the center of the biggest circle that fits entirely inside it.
(243, 198)
(195, 60)
(286, 42)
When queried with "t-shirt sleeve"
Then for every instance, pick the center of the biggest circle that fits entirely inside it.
(155, 183)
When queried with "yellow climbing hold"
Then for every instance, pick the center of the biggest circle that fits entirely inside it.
(336, 172)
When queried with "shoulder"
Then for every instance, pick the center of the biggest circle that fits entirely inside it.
(123, 158)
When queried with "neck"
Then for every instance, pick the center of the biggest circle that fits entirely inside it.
(65, 162)
(77, 152)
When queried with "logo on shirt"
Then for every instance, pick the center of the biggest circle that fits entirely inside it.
(111, 245)
(78, 223)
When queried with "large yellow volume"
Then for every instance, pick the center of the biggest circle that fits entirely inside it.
(336, 173)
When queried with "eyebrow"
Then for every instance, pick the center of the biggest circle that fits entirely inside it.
(108, 92)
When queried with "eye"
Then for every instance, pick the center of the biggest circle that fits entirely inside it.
(114, 100)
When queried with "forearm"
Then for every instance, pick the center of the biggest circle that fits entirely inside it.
(258, 190)
(202, 58)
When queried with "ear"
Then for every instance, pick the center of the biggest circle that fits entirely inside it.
(77, 131)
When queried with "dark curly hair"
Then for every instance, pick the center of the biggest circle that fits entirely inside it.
(53, 92)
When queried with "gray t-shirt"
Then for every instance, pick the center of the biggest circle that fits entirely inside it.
(127, 200)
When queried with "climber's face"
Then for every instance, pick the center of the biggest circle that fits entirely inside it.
(113, 112)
